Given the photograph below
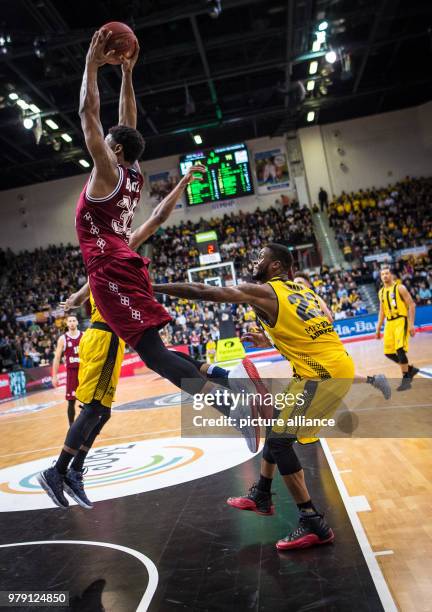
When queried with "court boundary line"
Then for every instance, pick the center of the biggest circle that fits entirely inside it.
(377, 576)
(153, 574)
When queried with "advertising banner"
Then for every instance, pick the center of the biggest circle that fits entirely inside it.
(271, 170)
(161, 183)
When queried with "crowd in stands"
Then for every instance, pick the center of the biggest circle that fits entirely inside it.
(340, 291)
(35, 283)
(388, 220)
(240, 237)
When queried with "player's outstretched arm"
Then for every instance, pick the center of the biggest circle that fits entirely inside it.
(105, 175)
(165, 207)
(127, 104)
(247, 293)
(406, 296)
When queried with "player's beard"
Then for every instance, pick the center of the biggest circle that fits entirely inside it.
(260, 275)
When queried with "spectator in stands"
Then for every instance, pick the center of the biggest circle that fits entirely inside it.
(323, 199)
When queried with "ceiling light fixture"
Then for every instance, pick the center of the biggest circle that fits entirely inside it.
(52, 124)
(313, 67)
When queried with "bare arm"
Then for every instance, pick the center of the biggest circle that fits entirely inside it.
(261, 296)
(57, 357)
(406, 296)
(127, 104)
(105, 174)
(75, 300)
(380, 321)
(164, 208)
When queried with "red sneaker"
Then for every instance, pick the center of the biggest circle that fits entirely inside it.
(312, 530)
(256, 501)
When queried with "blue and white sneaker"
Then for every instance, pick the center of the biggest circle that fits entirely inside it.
(52, 483)
(74, 487)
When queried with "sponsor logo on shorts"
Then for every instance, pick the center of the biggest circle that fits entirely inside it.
(126, 469)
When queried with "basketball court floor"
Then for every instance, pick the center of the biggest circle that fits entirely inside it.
(161, 536)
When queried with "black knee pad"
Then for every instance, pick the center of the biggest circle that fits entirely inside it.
(267, 454)
(392, 357)
(402, 356)
(284, 454)
(106, 415)
(82, 427)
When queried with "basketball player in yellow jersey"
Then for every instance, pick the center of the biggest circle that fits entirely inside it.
(292, 319)
(398, 309)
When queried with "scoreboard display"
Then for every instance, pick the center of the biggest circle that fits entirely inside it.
(228, 174)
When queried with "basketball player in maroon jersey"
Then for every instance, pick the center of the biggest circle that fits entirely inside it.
(118, 276)
(68, 344)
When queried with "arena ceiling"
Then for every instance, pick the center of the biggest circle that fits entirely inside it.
(228, 77)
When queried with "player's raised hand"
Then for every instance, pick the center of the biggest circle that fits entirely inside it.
(71, 302)
(128, 63)
(96, 55)
(195, 173)
(258, 339)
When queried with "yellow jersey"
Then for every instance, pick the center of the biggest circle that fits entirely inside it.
(304, 335)
(95, 316)
(392, 303)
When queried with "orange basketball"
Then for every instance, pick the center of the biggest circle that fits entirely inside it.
(123, 41)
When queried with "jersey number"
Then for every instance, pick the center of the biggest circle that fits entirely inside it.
(307, 306)
(122, 226)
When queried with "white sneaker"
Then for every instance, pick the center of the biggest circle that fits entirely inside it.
(245, 377)
(251, 433)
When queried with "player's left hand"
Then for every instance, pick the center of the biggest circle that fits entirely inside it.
(128, 63)
(190, 175)
(96, 55)
(71, 302)
(412, 331)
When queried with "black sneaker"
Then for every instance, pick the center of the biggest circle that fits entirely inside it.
(312, 530)
(74, 487)
(405, 383)
(52, 483)
(256, 500)
(412, 371)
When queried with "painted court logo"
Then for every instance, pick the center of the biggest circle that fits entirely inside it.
(126, 469)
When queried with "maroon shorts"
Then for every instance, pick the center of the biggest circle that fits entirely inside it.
(71, 382)
(124, 297)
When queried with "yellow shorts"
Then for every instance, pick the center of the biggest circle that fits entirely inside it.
(396, 335)
(101, 355)
(314, 399)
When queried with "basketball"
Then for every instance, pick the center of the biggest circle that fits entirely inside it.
(122, 41)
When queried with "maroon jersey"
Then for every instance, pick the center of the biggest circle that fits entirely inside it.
(104, 224)
(71, 345)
